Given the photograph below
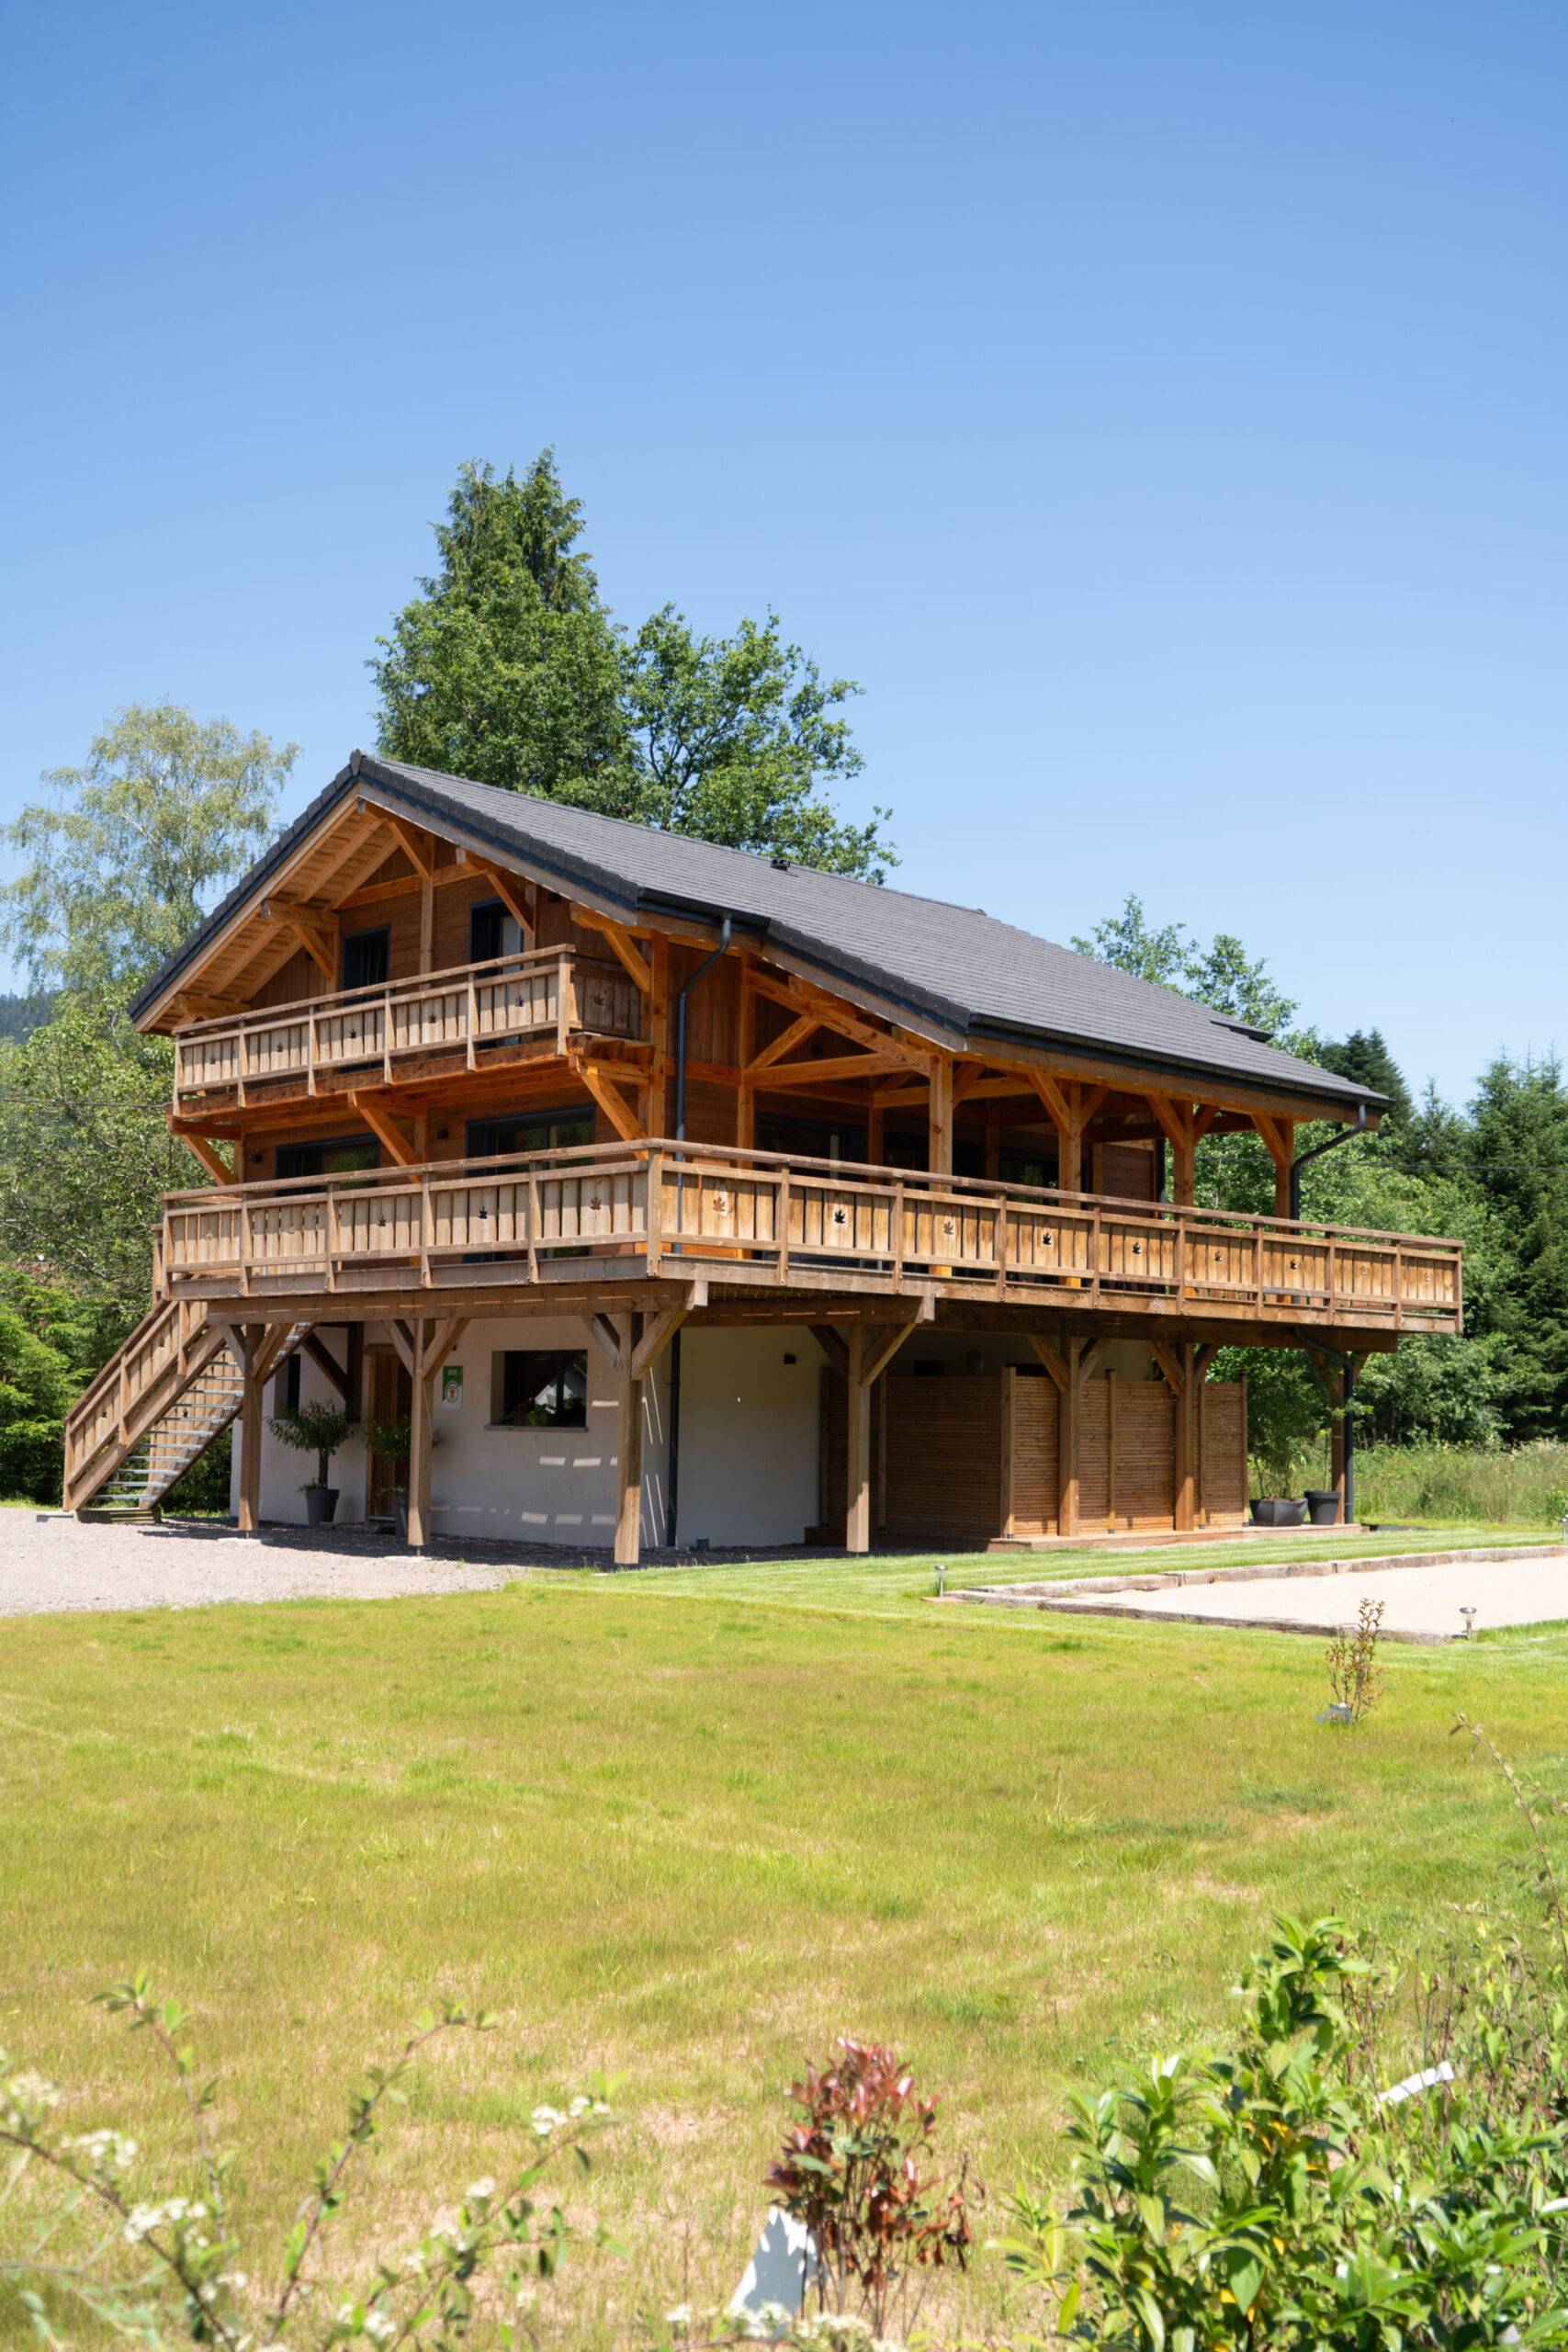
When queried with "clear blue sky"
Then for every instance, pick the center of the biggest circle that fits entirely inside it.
(1160, 409)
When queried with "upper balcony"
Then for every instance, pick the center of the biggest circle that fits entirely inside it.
(757, 1222)
(476, 1017)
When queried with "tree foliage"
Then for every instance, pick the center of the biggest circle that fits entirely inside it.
(128, 852)
(509, 667)
(1495, 1177)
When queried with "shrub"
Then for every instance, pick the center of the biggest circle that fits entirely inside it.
(853, 2172)
(161, 2269)
(314, 1428)
(1274, 2197)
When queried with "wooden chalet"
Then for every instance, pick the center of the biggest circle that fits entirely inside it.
(686, 1195)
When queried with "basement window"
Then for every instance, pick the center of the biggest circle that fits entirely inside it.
(539, 1388)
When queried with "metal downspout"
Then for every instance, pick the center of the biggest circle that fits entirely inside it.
(1316, 1151)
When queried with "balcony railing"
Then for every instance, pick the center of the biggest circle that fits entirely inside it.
(466, 1018)
(758, 1219)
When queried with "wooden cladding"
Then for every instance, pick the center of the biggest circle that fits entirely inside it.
(1126, 1455)
(463, 1019)
(964, 1458)
(766, 1221)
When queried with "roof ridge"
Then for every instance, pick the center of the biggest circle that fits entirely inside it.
(665, 832)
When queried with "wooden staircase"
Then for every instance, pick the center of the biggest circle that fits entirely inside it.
(154, 1409)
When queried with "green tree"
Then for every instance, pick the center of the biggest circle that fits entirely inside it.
(1518, 1164)
(130, 850)
(506, 667)
(85, 1155)
(732, 739)
(1222, 975)
(509, 667)
(41, 1373)
(1364, 1057)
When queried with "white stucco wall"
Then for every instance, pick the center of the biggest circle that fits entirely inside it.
(748, 1459)
(749, 1435)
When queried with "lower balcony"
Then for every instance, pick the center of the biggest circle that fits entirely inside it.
(754, 1222)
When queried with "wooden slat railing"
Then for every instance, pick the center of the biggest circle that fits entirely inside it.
(473, 1009)
(144, 1377)
(760, 1219)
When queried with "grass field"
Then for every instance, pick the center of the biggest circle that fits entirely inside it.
(689, 1824)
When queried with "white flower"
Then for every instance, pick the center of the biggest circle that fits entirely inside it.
(680, 2319)
(479, 2192)
(545, 2121)
(382, 2325)
(580, 2105)
(107, 2150)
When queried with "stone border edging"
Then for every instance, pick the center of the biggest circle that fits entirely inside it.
(1062, 1595)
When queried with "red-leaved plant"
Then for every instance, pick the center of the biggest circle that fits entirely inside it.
(853, 2173)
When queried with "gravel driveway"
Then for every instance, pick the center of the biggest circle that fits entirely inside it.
(50, 1563)
(1419, 1603)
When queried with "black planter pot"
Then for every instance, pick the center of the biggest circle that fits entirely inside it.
(320, 1506)
(1323, 1506)
(1278, 1511)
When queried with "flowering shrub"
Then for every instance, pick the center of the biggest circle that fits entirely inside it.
(166, 2269)
(852, 2173)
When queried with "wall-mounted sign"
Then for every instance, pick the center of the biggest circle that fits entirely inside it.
(452, 1386)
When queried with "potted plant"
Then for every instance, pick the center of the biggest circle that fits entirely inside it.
(1275, 1506)
(390, 1442)
(1323, 1506)
(319, 1430)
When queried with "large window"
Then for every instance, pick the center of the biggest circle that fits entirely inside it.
(539, 1388)
(365, 956)
(342, 1157)
(530, 1131)
(811, 1138)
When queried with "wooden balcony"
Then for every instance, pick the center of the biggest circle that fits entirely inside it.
(474, 1018)
(755, 1222)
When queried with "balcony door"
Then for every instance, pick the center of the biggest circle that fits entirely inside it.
(530, 1131)
(493, 932)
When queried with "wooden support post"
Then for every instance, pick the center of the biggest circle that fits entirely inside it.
(252, 1414)
(1280, 1136)
(940, 1152)
(427, 922)
(1185, 1514)
(857, 1448)
(656, 1013)
(628, 1446)
(1067, 1402)
(1010, 1407)
(422, 1384)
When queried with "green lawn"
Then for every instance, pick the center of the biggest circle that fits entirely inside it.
(688, 1824)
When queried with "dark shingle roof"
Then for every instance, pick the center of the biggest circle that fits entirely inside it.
(953, 966)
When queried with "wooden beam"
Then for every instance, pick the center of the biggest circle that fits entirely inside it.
(827, 1072)
(416, 844)
(385, 1130)
(857, 1447)
(605, 1332)
(402, 1338)
(202, 1152)
(628, 1447)
(832, 1347)
(1184, 1452)
(1052, 1359)
(319, 939)
(1203, 1363)
(379, 894)
(248, 1514)
(657, 1332)
(419, 1442)
(624, 946)
(611, 1100)
(797, 995)
(880, 1349)
(323, 1357)
(656, 1021)
(782, 1046)
(939, 1118)
(444, 1338)
(1067, 1420)
(1170, 1366)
